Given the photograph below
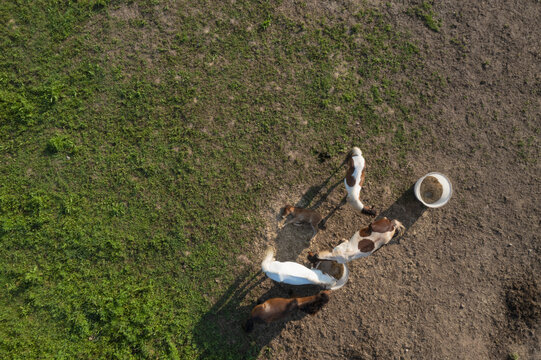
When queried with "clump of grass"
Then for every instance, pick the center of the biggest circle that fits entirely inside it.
(424, 12)
(265, 24)
(526, 150)
(61, 144)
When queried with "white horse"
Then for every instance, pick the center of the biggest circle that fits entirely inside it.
(296, 274)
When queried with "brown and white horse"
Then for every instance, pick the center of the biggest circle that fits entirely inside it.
(364, 242)
(355, 179)
(278, 308)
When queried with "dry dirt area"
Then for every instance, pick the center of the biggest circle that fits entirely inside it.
(463, 282)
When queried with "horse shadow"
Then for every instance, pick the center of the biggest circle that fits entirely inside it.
(407, 209)
(219, 333)
(313, 192)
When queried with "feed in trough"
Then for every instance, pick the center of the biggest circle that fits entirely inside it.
(431, 190)
(331, 268)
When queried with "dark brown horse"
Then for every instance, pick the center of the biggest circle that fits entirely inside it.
(277, 308)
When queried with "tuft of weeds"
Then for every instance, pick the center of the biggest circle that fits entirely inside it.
(61, 144)
(425, 13)
(265, 24)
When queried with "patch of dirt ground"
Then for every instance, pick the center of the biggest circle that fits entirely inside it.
(463, 282)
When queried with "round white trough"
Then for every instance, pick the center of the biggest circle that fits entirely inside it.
(446, 187)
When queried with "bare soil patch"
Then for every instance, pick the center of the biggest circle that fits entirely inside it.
(523, 306)
(455, 286)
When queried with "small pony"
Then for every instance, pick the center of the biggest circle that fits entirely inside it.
(277, 308)
(355, 179)
(364, 242)
(301, 215)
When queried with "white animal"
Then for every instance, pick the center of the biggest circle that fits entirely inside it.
(364, 242)
(355, 179)
(296, 274)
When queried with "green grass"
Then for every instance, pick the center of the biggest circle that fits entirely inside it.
(424, 12)
(136, 140)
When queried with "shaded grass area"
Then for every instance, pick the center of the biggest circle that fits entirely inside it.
(138, 137)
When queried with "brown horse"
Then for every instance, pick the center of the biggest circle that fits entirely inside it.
(301, 215)
(277, 308)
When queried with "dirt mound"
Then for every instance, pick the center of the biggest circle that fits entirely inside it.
(523, 305)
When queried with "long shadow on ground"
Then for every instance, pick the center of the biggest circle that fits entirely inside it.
(314, 191)
(407, 209)
(219, 333)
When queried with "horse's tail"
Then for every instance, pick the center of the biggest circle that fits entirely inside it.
(269, 258)
(399, 226)
(249, 325)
